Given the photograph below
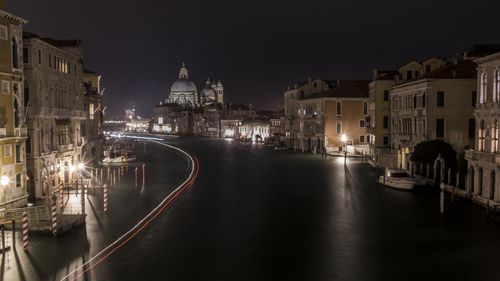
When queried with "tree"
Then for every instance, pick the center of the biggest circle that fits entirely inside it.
(428, 151)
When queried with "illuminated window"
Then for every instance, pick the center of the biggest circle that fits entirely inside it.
(494, 137)
(480, 138)
(91, 111)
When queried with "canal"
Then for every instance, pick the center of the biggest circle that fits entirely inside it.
(260, 214)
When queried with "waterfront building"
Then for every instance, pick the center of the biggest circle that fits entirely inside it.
(324, 117)
(379, 121)
(255, 130)
(13, 102)
(435, 102)
(92, 126)
(292, 96)
(484, 159)
(55, 83)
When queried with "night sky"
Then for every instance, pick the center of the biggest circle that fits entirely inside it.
(256, 47)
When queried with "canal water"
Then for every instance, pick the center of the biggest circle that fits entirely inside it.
(260, 214)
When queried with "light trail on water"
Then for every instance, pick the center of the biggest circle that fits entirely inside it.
(142, 224)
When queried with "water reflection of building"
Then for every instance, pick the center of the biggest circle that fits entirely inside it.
(483, 176)
(13, 100)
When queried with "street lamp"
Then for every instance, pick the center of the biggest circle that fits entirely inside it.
(4, 181)
(344, 140)
(81, 166)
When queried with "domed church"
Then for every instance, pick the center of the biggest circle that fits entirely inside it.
(184, 91)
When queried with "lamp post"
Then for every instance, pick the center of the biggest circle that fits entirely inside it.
(344, 140)
(4, 181)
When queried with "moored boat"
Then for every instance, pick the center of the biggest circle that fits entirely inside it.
(399, 179)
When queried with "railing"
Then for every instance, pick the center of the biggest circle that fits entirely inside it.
(20, 132)
(35, 214)
(66, 147)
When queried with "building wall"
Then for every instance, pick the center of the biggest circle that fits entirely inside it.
(54, 79)
(379, 108)
(12, 113)
(483, 177)
(349, 120)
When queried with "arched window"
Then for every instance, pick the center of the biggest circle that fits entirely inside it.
(15, 57)
(492, 184)
(494, 137)
(496, 94)
(17, 113)
(483, 87)
(480, 138)
(480, 182)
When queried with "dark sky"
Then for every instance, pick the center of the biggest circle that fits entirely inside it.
(255, 47)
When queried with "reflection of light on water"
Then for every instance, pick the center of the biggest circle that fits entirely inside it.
(74, 199)
(340, 160)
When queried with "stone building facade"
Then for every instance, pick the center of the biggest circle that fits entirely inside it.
(55, 82)
(484, 160)
(13, 103)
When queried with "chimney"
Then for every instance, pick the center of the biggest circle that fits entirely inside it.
(375, 74)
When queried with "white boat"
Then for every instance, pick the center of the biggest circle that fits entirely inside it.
(399, 179)
(119, 159)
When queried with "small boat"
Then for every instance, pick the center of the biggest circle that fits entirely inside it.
(399, 179)
(118, 160)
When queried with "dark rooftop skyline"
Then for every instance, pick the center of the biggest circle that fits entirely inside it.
(256, 48)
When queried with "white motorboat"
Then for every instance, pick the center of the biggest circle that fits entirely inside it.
(117, 160)
(399, 179)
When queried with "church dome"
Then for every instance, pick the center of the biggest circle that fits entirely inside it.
(183, 86)
(208, 92)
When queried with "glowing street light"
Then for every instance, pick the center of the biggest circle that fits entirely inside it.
(81, 166)
(71, 168)
(4, 181)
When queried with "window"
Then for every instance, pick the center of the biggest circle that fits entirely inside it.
(440, 128)
(39, 56)
(50, 60)
(25, 55)
(361, 138)
(474, 98)
(365, 108)
(15, 55)
(339, 108)
(386, 122)
(28, 145)
(367, 138)
(482, 87)
(18, 153)
(409, 74)
(496, 94)
(494, 137)
(440, 99)
(386, 140)
(5, 87)
(160, 120)
(415, 101)
(386, 95)
(361, 123)
(472, 128)
(7, 150)
(427, 68)
(423, 100)
(18, 180)
(480, 137)
(339, 127)
(315, 86)
(3, 33)
(91, 111)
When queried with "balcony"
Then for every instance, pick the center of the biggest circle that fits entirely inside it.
(65, 148)
(20, 132)
(3, 132)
